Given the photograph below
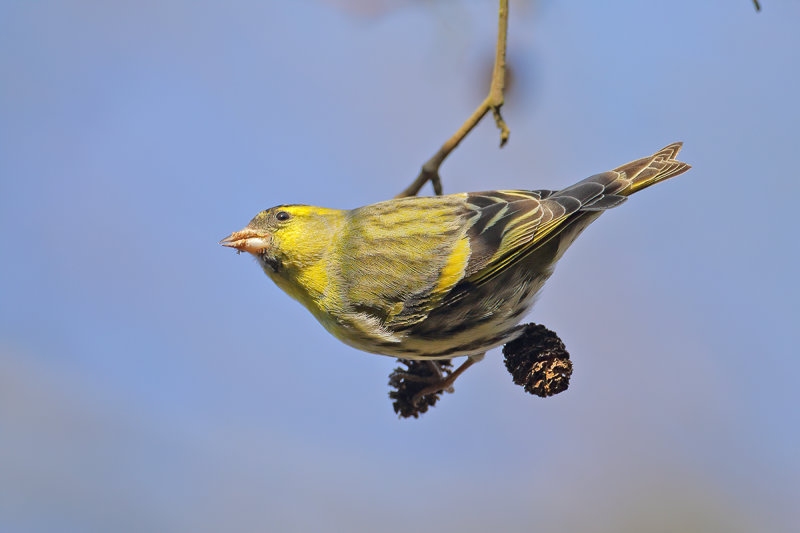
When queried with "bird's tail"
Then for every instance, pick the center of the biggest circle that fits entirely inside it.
(610, 189)
(648, 171)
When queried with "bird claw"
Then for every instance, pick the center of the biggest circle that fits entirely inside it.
(416, 378)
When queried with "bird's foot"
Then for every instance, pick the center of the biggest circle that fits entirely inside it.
(425, 371)
(417, 376)
(445, 383)
(420, 385)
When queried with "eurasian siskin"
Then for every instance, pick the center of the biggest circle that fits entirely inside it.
(435, 277)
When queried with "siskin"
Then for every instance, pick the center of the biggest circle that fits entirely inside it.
(435, 277)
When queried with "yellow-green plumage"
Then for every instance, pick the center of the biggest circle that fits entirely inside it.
(435, 277)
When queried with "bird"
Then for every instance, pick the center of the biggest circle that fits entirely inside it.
(435, 277)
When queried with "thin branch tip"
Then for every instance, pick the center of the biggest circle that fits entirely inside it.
(493, 102)
(502, 126)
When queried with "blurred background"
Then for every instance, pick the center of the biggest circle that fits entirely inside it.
(151, 380)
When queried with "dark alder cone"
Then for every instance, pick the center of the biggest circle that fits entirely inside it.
(407, 382)
(538, 361)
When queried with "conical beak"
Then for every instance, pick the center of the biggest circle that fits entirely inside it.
(247, 240)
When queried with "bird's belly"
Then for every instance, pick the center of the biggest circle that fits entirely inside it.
(484, 317)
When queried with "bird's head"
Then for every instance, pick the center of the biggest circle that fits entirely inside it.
(287, 237)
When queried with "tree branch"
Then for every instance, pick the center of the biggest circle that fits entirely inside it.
(494, 101)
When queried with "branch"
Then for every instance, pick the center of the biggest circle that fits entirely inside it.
(758, 6)
(493, 102)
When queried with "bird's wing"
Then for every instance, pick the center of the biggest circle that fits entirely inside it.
(525, 220)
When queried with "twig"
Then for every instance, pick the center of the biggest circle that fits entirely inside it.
(494, 101)
(758, 6)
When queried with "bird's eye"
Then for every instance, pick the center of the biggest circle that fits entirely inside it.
(281, 216)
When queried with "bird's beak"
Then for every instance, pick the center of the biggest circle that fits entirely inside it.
(247, 240)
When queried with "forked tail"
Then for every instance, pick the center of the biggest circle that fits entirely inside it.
(610, 189)
(647, 171)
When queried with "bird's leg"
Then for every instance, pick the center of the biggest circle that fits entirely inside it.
(446, 383)
(434, 376)
(436, 370)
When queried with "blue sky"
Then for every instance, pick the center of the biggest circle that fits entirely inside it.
(153, 381)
